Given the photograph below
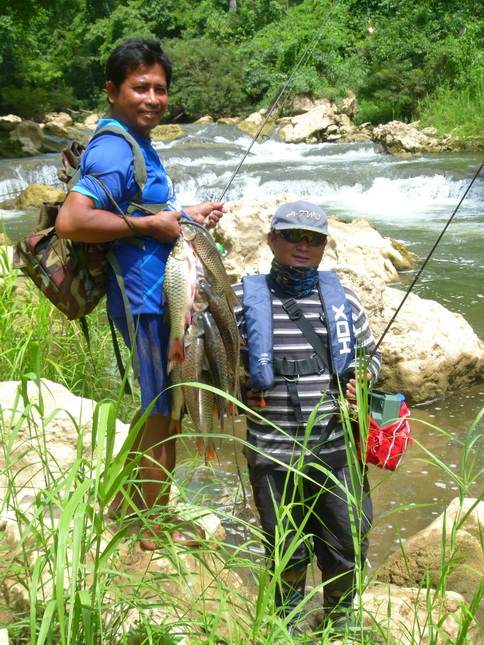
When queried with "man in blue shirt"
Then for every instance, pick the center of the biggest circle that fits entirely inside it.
(138, 78)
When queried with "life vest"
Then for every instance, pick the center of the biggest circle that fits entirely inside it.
(257, 304)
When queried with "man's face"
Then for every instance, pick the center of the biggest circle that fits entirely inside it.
(299, 254)
(142, 98)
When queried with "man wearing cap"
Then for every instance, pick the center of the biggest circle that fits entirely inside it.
(303, 330)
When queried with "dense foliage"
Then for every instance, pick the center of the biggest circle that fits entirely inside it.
(232, 56)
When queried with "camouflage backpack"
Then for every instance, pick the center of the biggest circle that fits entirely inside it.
(73, 275)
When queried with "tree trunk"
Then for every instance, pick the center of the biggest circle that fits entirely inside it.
(232, 6)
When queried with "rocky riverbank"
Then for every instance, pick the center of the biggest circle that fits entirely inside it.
(306, 120)
(405, 600)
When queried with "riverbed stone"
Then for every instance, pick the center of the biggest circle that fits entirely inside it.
(23, 140)
(406, 139)
(167, 132)
(455, 537)
(204, 119)
(60, 118)
(33, 196)
(91, 121)
(9, 122)
(401, 614)
(253, 123)
(311, 126)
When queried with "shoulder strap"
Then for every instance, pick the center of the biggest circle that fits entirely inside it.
(140, 174)
(296, 314)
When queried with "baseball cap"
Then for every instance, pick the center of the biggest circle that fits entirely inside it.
(300, 214)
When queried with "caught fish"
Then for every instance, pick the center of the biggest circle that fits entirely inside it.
(225, 319)
(179, 288)
(204, 339)
(217, 362)
(208, 408)
(177, 400)
(209, 254)
(191, 369)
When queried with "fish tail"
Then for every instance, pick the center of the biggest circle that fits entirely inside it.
(175, 353)
(174, 427)
(200, 445)
(211, 454)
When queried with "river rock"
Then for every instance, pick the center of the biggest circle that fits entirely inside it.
(167, 132)
(428, 351)
(253, 123)
(401, 614)
(229, 120)
(91, 120)
(61, 119)
(9, 122)
(24, 139)
(68, 427)
(349, 105)
(43, 450)
(204, 119)
(303, 103)
(419, 561)
(402, 138)
(310, 126)
(33, 196)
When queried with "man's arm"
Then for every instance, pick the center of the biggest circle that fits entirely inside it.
(80, 220)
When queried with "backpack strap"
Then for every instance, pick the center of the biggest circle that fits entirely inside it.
(292, 370)
(140, 173)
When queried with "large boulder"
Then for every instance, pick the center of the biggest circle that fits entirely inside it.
(253, 123)
(311, 126)
(456, 538)
(20, 138)
(59, 119)
(402, 615)
(167, 132)
(48, 455)
(33, 196)
(428, 351)
(405, 139)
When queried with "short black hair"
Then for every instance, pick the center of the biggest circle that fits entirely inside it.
(131, 54)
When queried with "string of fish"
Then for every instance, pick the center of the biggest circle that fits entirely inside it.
(204, 345)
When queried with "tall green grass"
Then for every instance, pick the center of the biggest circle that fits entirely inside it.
(71, 567)
(458, 111)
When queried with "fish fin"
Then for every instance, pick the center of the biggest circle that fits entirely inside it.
(200, 445)
(211, 454)
(175, 427)
(176, 353)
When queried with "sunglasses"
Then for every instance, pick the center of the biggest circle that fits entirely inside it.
(295, 235)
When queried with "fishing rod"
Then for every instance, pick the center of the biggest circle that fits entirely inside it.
(299, 63)
(420, 271)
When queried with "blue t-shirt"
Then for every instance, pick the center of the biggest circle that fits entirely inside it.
(109, 157)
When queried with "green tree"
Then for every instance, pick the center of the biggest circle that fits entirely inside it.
(206, 80)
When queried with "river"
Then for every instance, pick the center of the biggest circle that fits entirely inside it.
(409, 199)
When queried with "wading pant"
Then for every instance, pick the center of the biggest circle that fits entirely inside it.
(301, 516)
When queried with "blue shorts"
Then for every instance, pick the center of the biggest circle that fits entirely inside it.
(152, 341)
